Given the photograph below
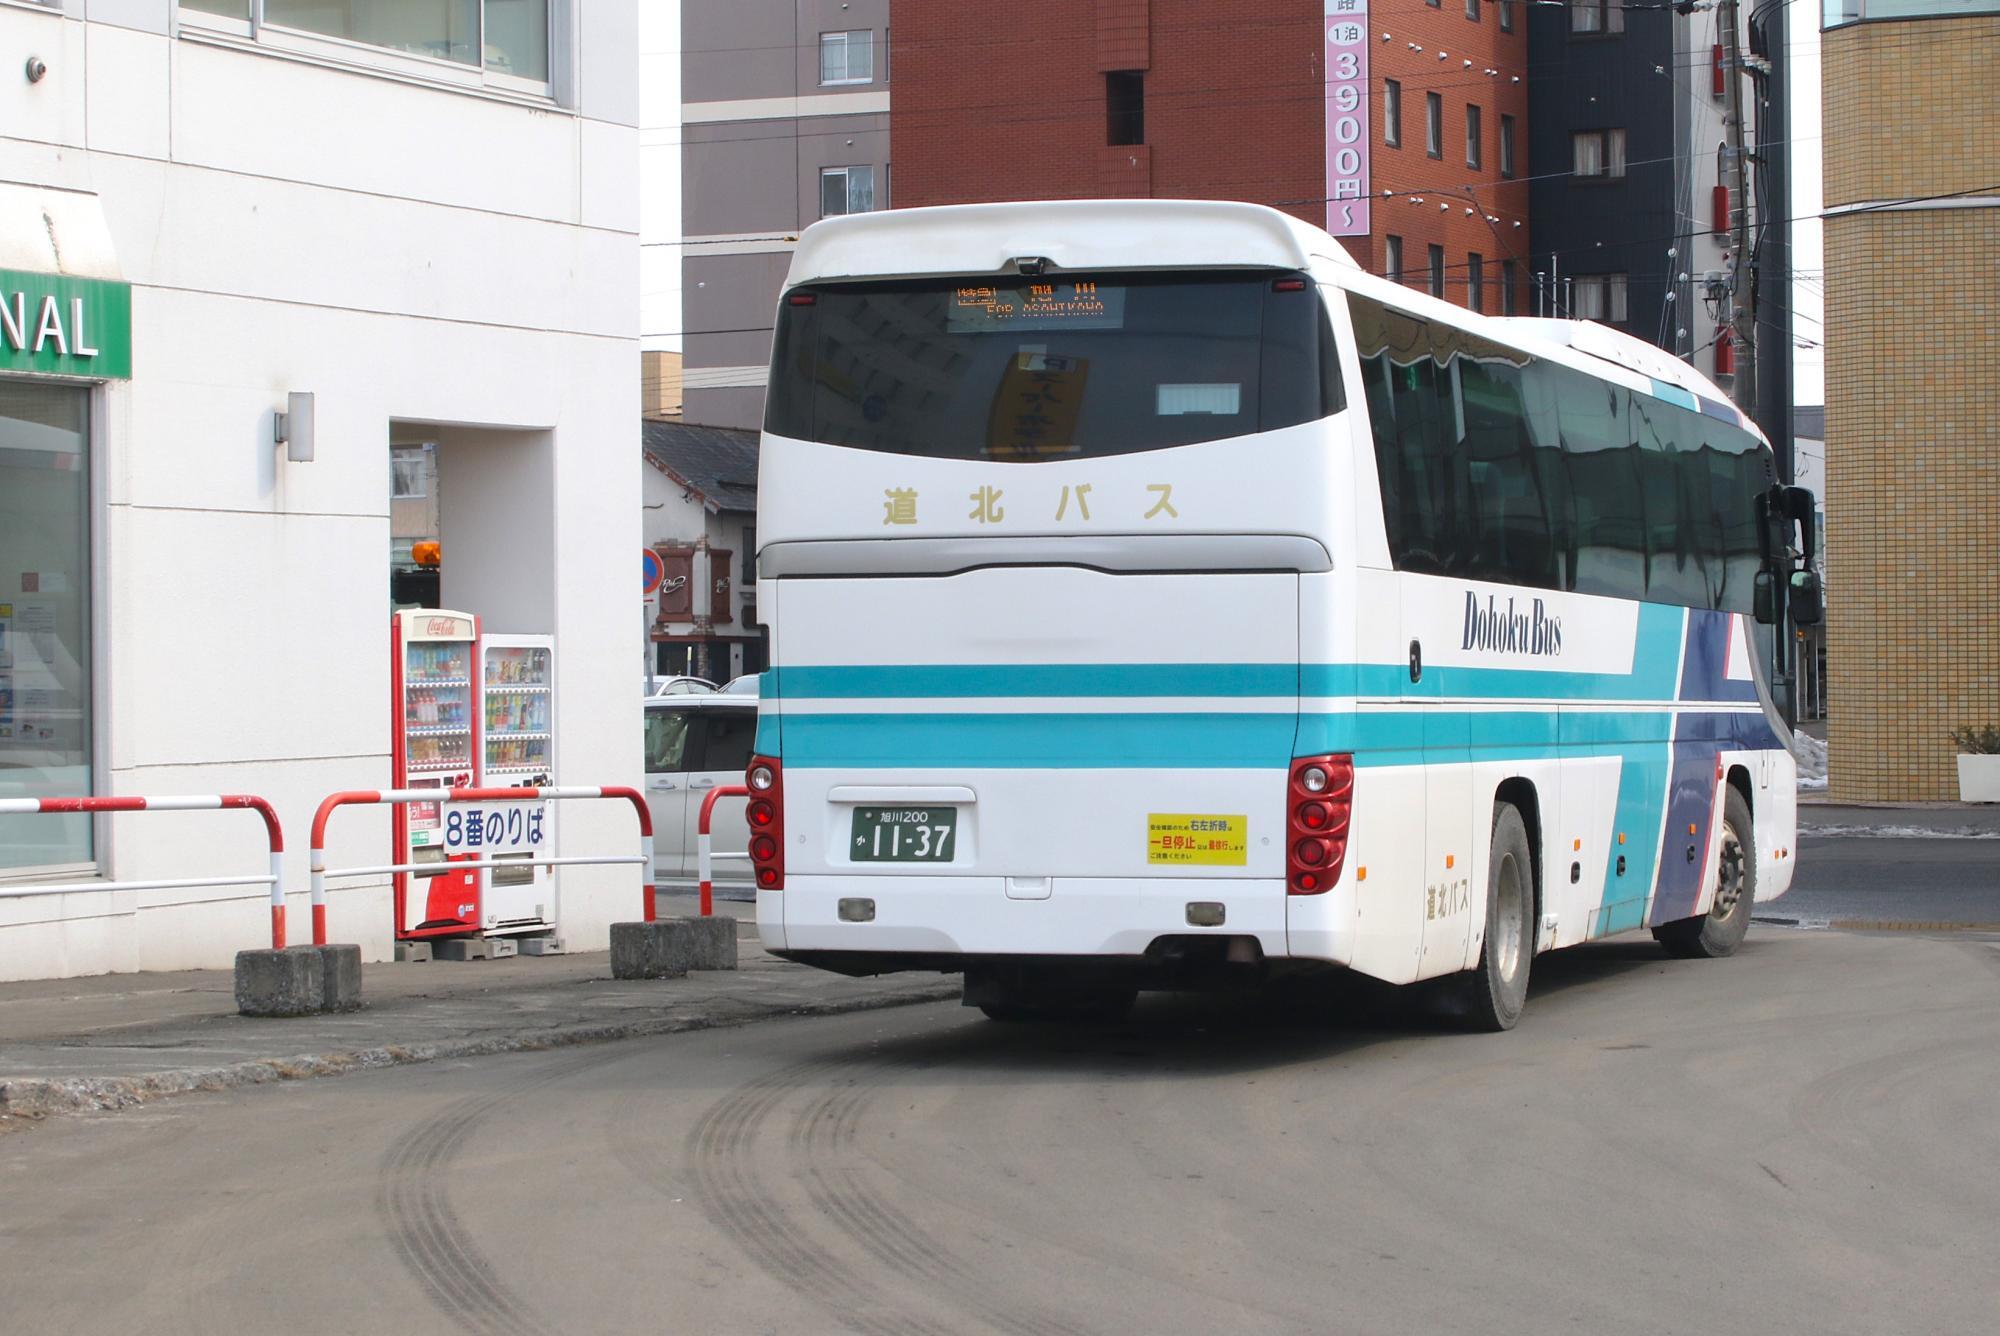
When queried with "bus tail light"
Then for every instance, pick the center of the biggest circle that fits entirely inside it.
(1318, 801)
(765, 779)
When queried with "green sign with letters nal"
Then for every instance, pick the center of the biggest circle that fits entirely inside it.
(61, 326)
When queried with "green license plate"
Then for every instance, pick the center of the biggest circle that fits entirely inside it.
(904, 835)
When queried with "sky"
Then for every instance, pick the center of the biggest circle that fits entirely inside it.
(660, 174)
(1808, 243)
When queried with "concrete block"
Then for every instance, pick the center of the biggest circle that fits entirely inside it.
(543, 946)
(459, 948)
(711, 942)
(416, 953)
(290, 982)
(654, 950)
(500, 948)
(340, 969)
(669, 948)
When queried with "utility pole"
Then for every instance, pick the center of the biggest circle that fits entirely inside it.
(1742, 287)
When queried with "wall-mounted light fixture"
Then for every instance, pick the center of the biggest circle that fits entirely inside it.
(293, 428)
(37, 69)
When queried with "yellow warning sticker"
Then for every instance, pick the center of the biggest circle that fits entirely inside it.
(1197, 840)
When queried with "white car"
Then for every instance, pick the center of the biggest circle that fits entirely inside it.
(695, 744)
(679, 686)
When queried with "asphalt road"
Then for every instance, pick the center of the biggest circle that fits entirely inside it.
(1859, 879)
(1800, 1139)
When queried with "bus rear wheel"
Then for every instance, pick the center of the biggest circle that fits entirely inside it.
(1492, 994)
(1721, 930)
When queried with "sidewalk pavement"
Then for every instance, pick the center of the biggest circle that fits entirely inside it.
(1817, 816)
(115, 1040)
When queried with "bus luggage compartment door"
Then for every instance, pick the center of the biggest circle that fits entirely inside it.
(1105, 725)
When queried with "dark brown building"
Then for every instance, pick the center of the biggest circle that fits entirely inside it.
(1227, 99)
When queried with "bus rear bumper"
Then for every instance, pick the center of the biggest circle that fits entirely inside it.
(941, 918)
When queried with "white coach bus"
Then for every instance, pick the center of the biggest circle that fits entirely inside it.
(1154, 594)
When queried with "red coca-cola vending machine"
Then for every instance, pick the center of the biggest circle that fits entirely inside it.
(436, 700)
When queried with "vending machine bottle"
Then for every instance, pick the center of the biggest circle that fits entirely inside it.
(517, 681)
(436, 745)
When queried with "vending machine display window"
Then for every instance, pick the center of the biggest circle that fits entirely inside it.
(517, 723)
(436, 746)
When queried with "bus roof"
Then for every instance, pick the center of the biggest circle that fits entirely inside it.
(1074, 235)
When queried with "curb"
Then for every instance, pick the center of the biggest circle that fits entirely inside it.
(35, 1097)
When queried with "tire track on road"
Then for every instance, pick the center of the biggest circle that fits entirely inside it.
(722, 1160)
(823, 1143)
(413, 1199)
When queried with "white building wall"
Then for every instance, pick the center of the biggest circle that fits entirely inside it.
(405, 253)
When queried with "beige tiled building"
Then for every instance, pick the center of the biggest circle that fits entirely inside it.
(1913, 363)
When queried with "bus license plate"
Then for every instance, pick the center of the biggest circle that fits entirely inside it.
(904, 834)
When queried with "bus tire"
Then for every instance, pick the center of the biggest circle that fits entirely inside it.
(1721, 930)
(1492, 994)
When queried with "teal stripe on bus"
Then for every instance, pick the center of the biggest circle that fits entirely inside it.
(1183, 741)
(912, 682)
(1653, 676)
(1145, 741)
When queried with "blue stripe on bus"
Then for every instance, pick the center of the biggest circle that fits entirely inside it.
(1034, 679)
(1655, 657)
(1705, 671)
(1198, 741)
(1674, 394)
(1143, 741)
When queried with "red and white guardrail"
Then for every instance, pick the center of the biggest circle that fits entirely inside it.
(704, 859)
(365, 797)
(195, 802)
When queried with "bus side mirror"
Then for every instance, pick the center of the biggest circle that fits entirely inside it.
(1764, 598)
(1805, 602)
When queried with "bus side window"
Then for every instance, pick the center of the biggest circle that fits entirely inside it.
(1520, 490)
(1604, 481)
(1677, 567)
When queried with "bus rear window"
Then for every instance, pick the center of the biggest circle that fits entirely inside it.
(1036, 368)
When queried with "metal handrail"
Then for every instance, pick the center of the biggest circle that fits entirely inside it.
(704, 857)
(189, 802)
(356, 797)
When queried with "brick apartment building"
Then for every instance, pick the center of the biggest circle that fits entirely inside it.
(1228, 99)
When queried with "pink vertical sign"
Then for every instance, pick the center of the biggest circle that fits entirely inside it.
(1347, 117)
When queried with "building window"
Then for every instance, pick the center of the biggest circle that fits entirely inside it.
(847, 57)
(1435, 4)
(1392, 113)
(1506, 15)
(846, 190)
(1598, 154)
(45, 687)
(1392, 258)
(408, 477)
(1434, 124)
(1507, 280)
(1472, 9)
(1596, 16)
(748, 579)
(1598, 297)
(503, 37)
(1507, 146)
(1437, 271)
(1472, 152)
(1125, 107)
(1475, 281)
